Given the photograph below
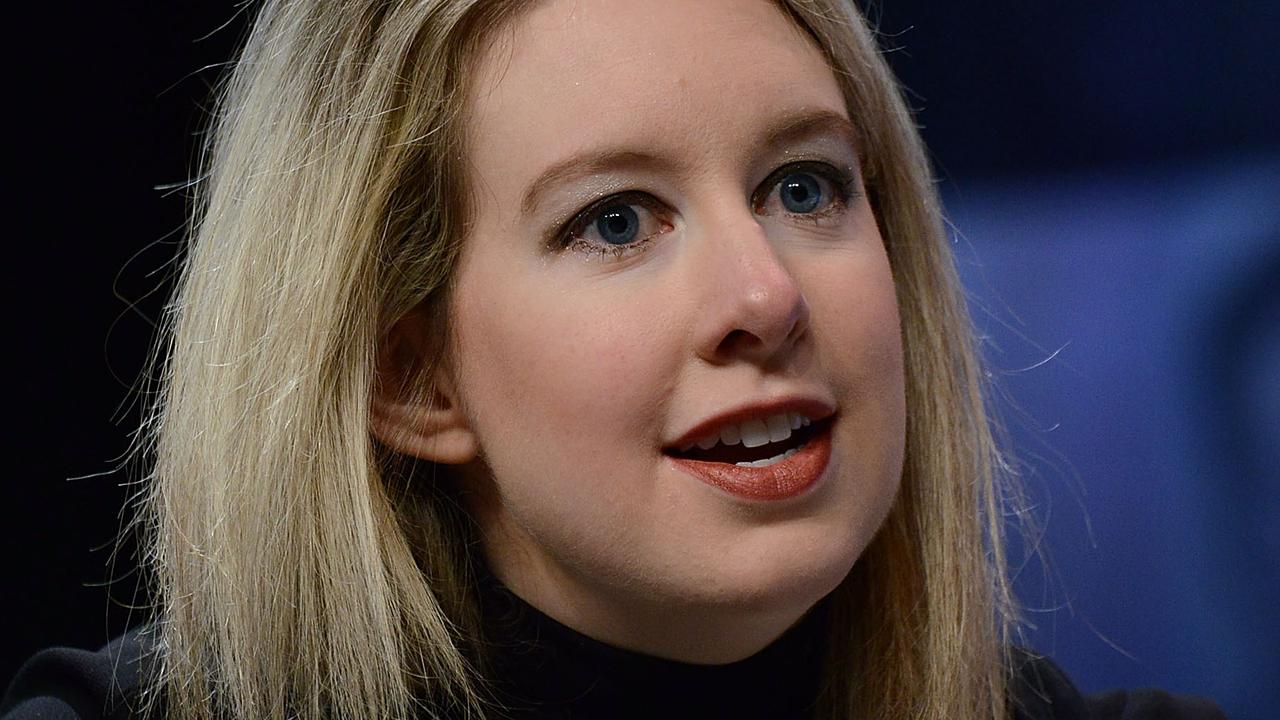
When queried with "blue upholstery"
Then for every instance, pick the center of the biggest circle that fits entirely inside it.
(1132, 326)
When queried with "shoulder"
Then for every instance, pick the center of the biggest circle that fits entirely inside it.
(70, 684)
(1042, 691)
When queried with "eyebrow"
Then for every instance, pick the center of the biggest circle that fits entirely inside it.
(784, 130)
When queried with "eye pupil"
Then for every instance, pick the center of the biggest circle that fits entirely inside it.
(618, 225)
(800, 193)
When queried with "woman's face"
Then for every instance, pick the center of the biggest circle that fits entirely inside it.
(670, 227)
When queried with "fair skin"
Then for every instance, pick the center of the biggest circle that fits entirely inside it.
(573, 369)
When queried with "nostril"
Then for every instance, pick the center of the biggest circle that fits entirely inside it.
(738, 338)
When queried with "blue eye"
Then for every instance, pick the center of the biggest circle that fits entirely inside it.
(808, 190)
(800, 192)
(618, 225)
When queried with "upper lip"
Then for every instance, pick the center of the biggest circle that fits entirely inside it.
(811, 407)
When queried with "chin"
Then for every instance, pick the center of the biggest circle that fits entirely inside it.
(785, 578)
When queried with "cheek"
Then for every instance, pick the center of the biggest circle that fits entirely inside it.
(857, 328)
(559, 375)
(856, 321)
(564, 398)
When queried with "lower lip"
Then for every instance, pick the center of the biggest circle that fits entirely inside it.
(779, 481)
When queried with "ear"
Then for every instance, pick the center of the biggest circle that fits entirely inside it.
(414, 413)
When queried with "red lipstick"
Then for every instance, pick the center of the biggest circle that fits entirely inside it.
(783, 479)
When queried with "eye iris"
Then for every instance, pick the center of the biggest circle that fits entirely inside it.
(618, 225)
(800, 193)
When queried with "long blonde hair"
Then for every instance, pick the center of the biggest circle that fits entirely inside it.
(300, 569)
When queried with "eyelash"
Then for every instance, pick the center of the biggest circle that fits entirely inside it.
(844, 185)
(569, 236)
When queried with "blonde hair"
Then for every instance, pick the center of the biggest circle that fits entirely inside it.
(299, 567)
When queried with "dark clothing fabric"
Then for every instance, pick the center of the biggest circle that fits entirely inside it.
(546, 670)
(1041, 691)
(69, 684)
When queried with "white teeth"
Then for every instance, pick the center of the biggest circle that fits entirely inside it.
(755, 433)
(730, 435)
(779, 428)
(769, 461)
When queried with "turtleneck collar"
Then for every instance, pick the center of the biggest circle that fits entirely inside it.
(544, 669)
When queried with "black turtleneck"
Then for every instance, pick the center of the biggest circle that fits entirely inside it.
(544, 669)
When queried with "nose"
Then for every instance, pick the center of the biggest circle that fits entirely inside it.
(753, 309)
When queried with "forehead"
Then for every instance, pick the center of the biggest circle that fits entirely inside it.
(675, 75)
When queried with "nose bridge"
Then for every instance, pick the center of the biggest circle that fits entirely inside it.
(753, 305)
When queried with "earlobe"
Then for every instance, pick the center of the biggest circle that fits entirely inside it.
(424, 422)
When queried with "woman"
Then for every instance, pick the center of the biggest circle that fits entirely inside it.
(570, 359)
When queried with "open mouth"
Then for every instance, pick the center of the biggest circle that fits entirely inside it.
(759, 456)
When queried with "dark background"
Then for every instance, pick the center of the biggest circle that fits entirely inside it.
(1103, 161)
